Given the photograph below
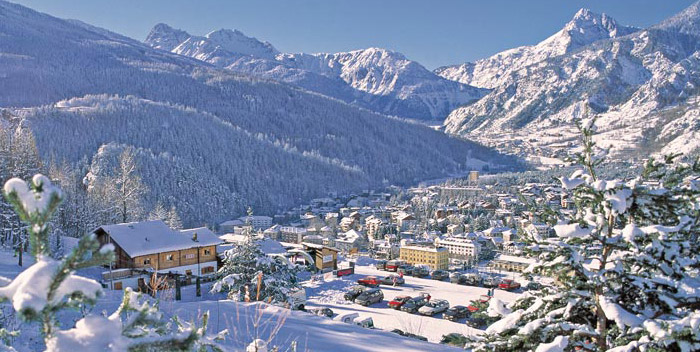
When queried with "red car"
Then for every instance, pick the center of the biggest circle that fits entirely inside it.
(398, 301)
(369, 281)
(508, 285)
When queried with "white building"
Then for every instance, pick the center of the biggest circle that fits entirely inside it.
(291, 234)
(258, 221)
(459, 247)
(372, 226)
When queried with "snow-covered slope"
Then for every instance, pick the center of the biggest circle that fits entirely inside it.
(376, 79)
(637, 84)
(209, 140)
(585, 28)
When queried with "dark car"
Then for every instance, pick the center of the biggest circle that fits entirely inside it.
(439, 275)
(354, 292)
(405, 270)
(397, 302)
(321, 311)
(455, 313)
(381, 265)
(420, 271)
(455, 278)
(413, 304)
(371, 296)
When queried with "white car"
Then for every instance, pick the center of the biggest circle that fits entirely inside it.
(434, 306)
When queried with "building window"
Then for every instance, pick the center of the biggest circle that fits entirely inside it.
(207, 252)
(189, 256)
(169, 257)
(147, 261)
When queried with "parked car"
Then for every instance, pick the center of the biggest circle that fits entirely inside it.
(472, 279)
(321, 311)
(455, 313)
(389, 280)
(393, 265)
(405, 270)
(371, 296)
(439, 275)
(398, 301)
(434, 307)
(354, 292)
(412, 305)
(490, 281)
(455, 277)
(381, 265)
(365, 322)
(508, 285)
(420, 271)
(369, 281)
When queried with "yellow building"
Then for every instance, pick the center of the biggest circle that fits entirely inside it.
(435, 257)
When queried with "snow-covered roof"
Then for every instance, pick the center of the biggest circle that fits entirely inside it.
(232, 223)
(269, 246)
(148, 237)
(514, 259)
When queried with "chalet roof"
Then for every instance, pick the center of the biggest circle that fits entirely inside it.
(149, 237)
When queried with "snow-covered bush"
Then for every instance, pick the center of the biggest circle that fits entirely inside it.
(625, 262)
(49, 286)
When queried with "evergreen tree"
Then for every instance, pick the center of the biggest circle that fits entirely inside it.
(173, 219)
(158, 213)
(250, 275)
(639, 293)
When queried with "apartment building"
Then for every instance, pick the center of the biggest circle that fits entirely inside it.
(459, 248)
(435, 257)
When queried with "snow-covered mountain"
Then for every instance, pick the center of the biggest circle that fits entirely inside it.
(377, 79)
(639, 85)
(585, 28)
(209, 141)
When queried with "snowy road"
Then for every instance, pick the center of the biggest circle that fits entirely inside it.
(330, 294)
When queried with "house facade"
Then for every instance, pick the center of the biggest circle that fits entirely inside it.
(152, 246)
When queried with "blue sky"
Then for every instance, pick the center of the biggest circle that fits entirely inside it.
(432, 32)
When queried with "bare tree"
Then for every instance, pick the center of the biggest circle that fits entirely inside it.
(128, 187)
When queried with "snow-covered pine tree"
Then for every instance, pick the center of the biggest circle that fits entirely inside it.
(158, 213)
(626, 269)
(49, 286)
(250, 275)
(173, 219)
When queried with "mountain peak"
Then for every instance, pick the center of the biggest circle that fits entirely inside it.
(587, 27)
(686, 21)
(164, 37)
(235, 41)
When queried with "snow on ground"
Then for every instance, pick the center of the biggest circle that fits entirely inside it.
(248, 321)
(330, 294)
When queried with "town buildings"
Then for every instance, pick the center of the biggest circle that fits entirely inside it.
(437, 258)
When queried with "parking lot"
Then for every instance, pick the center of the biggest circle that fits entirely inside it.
(329, 293)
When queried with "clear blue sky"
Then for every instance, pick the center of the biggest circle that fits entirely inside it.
(432, 32)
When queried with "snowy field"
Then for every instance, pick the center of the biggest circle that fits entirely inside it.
(330, 294)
